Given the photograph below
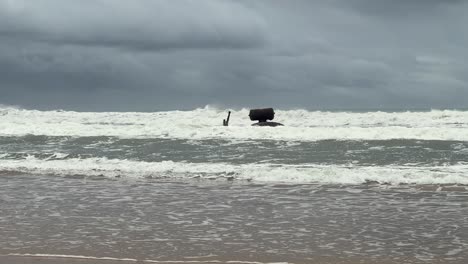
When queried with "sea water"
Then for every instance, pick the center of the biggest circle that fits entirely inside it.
(177, 185)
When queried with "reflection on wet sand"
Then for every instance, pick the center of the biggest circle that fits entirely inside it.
(222, 221)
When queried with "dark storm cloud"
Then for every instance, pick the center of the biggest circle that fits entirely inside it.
(169, 54)
(138, 24)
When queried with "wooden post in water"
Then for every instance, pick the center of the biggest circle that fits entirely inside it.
(226, 121)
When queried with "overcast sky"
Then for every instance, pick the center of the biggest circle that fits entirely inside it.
(145, 55)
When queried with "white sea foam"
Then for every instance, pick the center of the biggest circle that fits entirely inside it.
(337, 174)
(206, 123)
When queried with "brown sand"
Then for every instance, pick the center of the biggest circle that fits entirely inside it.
(58, 260)
(6, 259)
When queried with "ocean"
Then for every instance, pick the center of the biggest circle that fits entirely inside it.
(327, 187)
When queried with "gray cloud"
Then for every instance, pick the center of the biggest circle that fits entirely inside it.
(142, 24)
(400, 8)
(166, 54)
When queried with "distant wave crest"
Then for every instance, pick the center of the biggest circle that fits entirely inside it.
(206, 123)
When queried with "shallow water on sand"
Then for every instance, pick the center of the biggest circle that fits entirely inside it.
(239, 220)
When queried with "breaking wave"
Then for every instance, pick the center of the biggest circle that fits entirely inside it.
(206, 123)
(324, 174)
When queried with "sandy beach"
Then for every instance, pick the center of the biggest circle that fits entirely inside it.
(226, 222)
(78, 260)
(85, 260)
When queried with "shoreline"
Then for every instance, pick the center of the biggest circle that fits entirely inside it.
(51, 220)
(78, 259)
(75, 259)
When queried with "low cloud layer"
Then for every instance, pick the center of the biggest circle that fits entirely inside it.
(141, 24)
(149, 55)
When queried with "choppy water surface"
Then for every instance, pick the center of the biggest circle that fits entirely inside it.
(171, 185)
(173, 220)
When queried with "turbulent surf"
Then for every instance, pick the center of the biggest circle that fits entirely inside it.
(313, 147)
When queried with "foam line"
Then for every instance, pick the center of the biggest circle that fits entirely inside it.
(136, 260)
(312, 173)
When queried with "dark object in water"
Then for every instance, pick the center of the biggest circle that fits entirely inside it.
(271, 124)
(262, 115)
(226, 121)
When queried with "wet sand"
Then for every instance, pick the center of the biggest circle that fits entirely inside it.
(63, 260)
(75, 260)
(202, 221)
